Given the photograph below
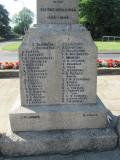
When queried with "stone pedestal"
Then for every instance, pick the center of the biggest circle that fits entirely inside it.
(58, 117)
(118, 131)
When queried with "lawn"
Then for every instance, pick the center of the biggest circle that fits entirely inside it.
(108, 46)
(11, 47)
(102, 46)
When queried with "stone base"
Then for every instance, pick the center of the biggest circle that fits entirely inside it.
(58, 117)
(118, 131)
(62, 142)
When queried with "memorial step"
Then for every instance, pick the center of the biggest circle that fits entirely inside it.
(57, 117)
(61, 141)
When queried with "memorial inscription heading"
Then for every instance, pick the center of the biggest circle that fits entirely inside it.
(57, 11)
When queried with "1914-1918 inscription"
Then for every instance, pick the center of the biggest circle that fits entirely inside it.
(57, 11)
(54, 68)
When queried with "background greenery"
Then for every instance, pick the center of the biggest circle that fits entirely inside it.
(5, 29)
(101, 17)
(22, 21)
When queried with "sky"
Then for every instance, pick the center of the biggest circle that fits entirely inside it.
(14, 6)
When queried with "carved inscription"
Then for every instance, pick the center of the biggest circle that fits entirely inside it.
(73, 60)
(55, 71)
(57, 11)
(34, 63)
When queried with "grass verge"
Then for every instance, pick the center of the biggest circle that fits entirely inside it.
(11, 47)
(108, 46)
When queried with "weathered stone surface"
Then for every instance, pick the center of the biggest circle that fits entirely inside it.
(59, 117)
(107, 155)
(58, 66)
(65, 141)
(118, 131)
(57, 11)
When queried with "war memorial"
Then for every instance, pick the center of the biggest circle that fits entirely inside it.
(59, 111)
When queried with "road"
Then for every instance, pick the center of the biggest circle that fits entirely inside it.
(109, 56)
(8, 56)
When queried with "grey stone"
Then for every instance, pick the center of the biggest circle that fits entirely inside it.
(113, 155)
(29, 158)
(58, 66)
(57, 12)
(64, 141)
(118, 130)
(55, 117)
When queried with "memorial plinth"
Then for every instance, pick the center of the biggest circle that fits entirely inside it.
(58, 117)
(59, 110)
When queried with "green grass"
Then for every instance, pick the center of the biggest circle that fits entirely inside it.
(11, 47)
(108, 46)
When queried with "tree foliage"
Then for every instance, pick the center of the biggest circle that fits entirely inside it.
(5, 29)
(101, 17)
(23, 20)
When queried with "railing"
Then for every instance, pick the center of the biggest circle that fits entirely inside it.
(110, 38)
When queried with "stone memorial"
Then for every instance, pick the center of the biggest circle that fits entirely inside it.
(59, 111)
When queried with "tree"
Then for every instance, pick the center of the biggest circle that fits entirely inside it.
(23, 20)
(101, 17)
(5, 29)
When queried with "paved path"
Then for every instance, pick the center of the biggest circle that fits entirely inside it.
(109, 92)
(110, 155)
(9, 90)
(8, 56)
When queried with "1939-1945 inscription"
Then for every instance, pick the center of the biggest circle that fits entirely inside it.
(57, 11)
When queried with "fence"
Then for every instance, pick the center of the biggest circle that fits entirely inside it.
(110, 38)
